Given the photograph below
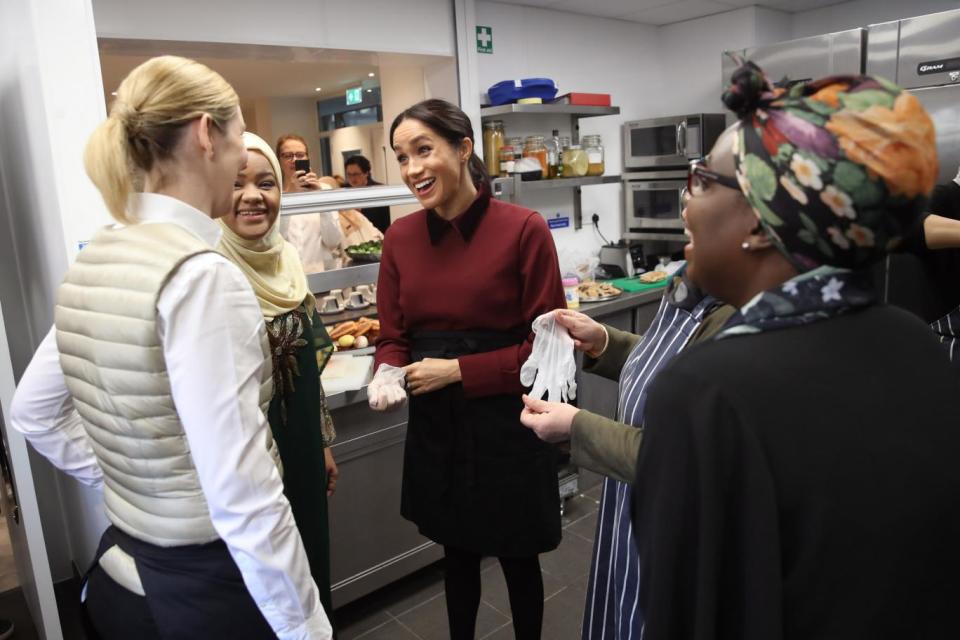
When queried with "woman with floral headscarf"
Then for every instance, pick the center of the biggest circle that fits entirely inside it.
(798, 477)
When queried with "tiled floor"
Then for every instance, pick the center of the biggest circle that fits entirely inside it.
(8, 567)
(415, 608)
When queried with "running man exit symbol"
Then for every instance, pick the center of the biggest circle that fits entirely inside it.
(484, 39)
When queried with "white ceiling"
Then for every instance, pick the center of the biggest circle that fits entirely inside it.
(255, 71)
(660, 12)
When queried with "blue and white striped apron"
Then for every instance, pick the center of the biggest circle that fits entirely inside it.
(611, 610)
(947, 329)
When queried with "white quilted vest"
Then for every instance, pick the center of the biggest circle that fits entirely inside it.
(113, 362)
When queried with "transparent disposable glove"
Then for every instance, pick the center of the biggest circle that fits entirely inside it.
(387, 390)
(551, 367)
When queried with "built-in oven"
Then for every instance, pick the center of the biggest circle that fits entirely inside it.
(670, 142)
(652, 203)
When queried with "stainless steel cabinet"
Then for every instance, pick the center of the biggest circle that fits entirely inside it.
(371, 545)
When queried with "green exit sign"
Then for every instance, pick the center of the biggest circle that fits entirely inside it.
(355, 96)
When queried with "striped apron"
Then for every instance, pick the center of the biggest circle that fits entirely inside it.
(611, 609)
(947, 330)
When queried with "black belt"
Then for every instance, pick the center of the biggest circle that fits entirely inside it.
(453, 344)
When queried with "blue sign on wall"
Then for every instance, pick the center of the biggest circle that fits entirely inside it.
(558, 222)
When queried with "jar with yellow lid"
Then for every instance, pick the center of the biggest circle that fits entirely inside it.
(593, 147)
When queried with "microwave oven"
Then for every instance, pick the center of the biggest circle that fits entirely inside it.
(670, 142)
(652, 202)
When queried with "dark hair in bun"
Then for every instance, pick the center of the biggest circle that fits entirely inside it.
(749, 89)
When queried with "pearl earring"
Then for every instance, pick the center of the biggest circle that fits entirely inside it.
(745, 246)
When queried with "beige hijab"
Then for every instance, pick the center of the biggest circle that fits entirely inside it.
(271, 264)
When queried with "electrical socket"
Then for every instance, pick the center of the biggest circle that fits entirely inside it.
(595, 218)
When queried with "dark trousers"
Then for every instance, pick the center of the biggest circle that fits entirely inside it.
(462, 583)
(193, 591)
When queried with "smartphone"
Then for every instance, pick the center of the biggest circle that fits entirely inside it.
(302, 165)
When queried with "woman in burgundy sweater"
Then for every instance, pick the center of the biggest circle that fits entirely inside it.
(460, 283)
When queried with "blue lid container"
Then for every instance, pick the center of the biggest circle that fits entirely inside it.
(512, 90)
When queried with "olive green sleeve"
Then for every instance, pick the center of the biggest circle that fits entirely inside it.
(619, 346)
(605, 446)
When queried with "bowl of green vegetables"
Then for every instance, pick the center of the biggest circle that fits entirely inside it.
(366, 251)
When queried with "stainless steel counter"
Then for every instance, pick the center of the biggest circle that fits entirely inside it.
(371, 545)
(627, 301)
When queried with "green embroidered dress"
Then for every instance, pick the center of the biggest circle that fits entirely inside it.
(302, 428)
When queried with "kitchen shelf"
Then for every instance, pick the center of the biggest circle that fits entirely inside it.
(577, 110)
(512, 189)
(501, 185)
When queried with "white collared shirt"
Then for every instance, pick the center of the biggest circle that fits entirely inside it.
(210, 324)
(316, 237)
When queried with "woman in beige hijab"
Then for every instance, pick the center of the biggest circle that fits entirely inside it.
(298, 413)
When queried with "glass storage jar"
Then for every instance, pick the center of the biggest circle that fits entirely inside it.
(533, 147)
(492, 141)
(517, 145)
(593, 147)
(506, 160)
(575, 163)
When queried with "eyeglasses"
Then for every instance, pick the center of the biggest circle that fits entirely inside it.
(291, 155)
(698, 177)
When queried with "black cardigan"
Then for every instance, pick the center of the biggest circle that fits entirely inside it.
(803, 483)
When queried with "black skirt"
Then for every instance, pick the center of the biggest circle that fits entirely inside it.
(474, 477)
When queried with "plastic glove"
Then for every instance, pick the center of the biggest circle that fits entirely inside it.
(551, 367)
(387, 389)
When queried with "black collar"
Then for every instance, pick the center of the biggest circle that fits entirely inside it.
(466, 223)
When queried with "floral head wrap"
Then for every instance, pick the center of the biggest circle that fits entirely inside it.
(837, 170)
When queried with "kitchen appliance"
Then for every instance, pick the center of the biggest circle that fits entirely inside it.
(621, 260)
(652, 204)
(923, 55)
(669, 142)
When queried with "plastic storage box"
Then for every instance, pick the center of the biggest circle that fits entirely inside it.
(512, 90)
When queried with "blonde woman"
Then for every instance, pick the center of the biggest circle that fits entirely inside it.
(298, 414)
(150, 383)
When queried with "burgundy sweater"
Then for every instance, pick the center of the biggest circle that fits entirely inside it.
(493, 268)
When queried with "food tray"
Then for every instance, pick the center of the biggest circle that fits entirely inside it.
(585, 287)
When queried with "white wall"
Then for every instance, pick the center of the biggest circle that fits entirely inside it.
(366, 25)
(690, 57)
(592, 55)
(367, 138)
(299, 116)
(402, 85)
(862, 13)
(50, 100)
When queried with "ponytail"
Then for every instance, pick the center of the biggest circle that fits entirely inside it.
(109, 164)
(478, 171)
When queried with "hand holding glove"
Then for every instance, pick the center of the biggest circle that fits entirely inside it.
(588, 335)
(551, 367)
(387, 389)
